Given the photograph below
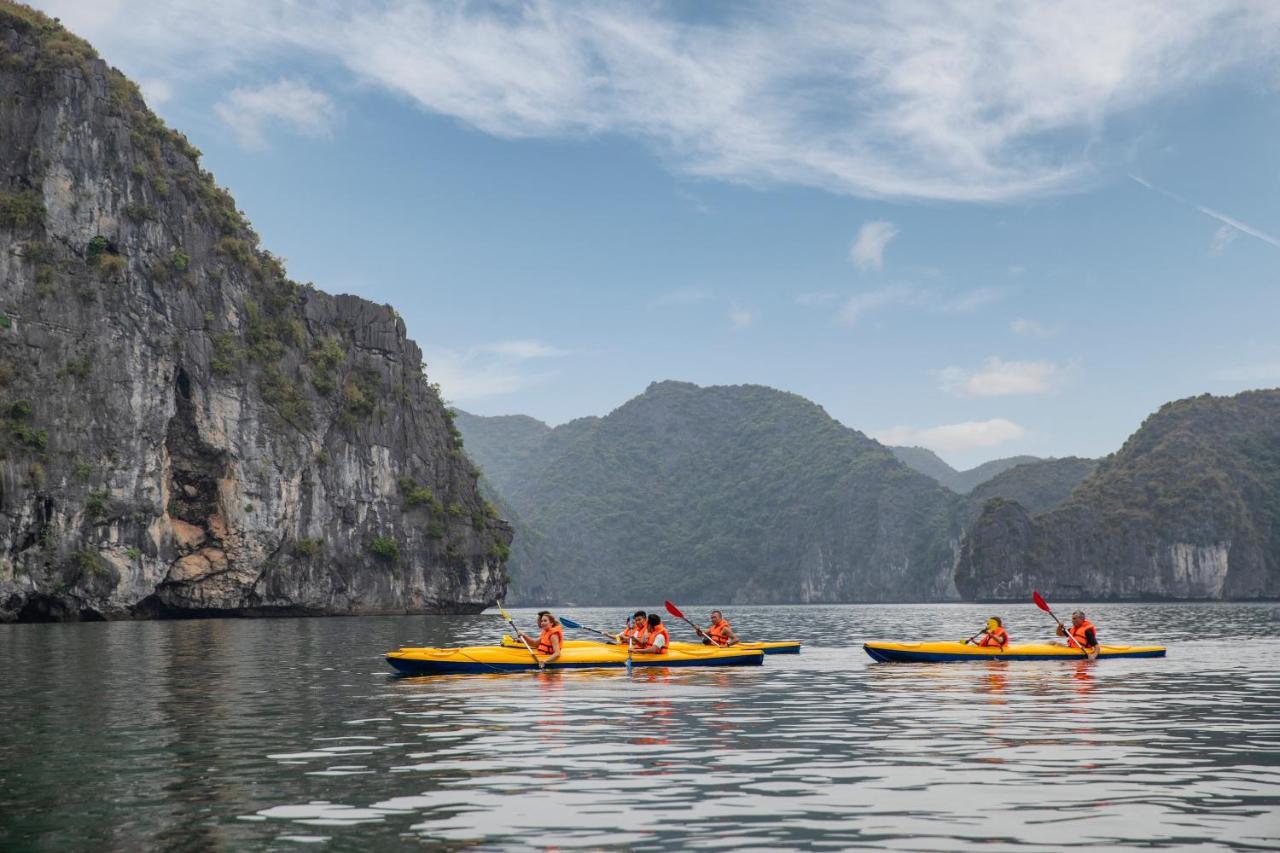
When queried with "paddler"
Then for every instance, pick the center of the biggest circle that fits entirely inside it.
(637, 629)
(719, 634)
(657, 641)
(1082, 631)
(993, 635)
(550, 642)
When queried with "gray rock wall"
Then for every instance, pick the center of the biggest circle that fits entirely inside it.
(183, 429)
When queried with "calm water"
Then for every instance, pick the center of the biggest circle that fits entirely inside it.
(234, 735)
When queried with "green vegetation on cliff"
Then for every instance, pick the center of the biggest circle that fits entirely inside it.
(1189, 507)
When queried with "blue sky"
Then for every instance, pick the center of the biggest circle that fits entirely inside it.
(985, 228)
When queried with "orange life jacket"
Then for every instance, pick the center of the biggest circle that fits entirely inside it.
(637, 633)
(660, 631)
(544, 641)
(995, 637)
(1080, 632)
(719, 634)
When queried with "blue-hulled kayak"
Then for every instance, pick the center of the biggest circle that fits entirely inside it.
(429, 661)
(947, 652)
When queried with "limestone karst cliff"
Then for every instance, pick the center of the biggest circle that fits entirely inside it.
(1189, 508)
(183, 429)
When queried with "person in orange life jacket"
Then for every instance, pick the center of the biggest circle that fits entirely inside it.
(658, 641)
(550, 642)
(1082, 631)
(994, 635)
(719, 634)
(637, 630)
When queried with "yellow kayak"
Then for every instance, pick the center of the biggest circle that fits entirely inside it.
(883, 652)
(429, 661)
(782, 647)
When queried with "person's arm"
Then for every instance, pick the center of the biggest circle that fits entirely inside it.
(733, 638)
(1090, 638)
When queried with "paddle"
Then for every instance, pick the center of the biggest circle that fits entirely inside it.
(516, 631)
(630, 625)
(569, 623)
(974, 637)
(675, 611)
(1092, 654)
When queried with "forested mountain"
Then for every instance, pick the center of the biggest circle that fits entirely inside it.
(728, 494)
(1189, 507)
(962, 482)
(1038, 486)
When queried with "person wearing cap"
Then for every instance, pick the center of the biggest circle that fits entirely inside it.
(1081, 632)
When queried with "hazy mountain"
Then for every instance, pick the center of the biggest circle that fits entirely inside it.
(962, 482)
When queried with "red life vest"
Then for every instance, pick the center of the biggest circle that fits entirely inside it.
(544, 641)
(1080, 632)
(660, 631)
(995, 637)
(637, 633)
(719, 634)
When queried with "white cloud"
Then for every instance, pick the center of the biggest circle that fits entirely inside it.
(1222, 238)
(867, 251)
(1031, 328)
(812, 300)
(741, 317)
(861, 303)
(156, 92)
(489, 370)
(998, 378)
(303, 110)
(953, 438)
(972, 300)
(948, 100)
(688, 296)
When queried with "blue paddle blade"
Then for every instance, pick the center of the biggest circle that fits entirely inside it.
(569, 623)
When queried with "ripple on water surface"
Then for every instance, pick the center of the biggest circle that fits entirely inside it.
(251, 733)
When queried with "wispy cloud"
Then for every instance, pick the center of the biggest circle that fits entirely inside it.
(1223, 237)
(1031, 328)
(858, 305)
(972, 300)
(489, 370)
(812, 300)
(1219, 243)
(867, 251)
(293, 104)
(947, 100)
(953, 438)
(742, 317)
(687, 296)
(998, 378)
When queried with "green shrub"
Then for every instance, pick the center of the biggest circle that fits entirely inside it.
(89, 563)
(97, 247)
(37, 252)
(500, 552)
(83, 471)
(160, 185)
(327, 355)
(20, 409)
(6, 322)
(307, 547)
(180, 260)
(385, 548)
(456, 508)
(134, 552)
(284, 396)
(78, 367)
(226, 356)
(436, 530)
(477, 520)
(413, 494)
(34, 438)
(236, 249)
(95, 505)
(21, 210)
(139, 212)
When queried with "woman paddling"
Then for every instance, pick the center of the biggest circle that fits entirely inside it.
(993, 635)
(550, 641)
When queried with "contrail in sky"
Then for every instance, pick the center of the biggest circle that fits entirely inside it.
(1208, 211)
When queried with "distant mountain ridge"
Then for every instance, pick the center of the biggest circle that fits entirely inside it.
(728, 493)
(961, 482)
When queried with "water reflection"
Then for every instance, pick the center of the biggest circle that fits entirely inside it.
(226, 734)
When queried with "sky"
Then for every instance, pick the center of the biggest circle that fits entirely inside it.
(987, 229)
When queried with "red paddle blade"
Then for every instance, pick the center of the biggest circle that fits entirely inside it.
(1040, 602)
(673, 610)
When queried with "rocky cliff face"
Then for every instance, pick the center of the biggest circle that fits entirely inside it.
(185, 430)
(1188, 508)
(722, 494)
